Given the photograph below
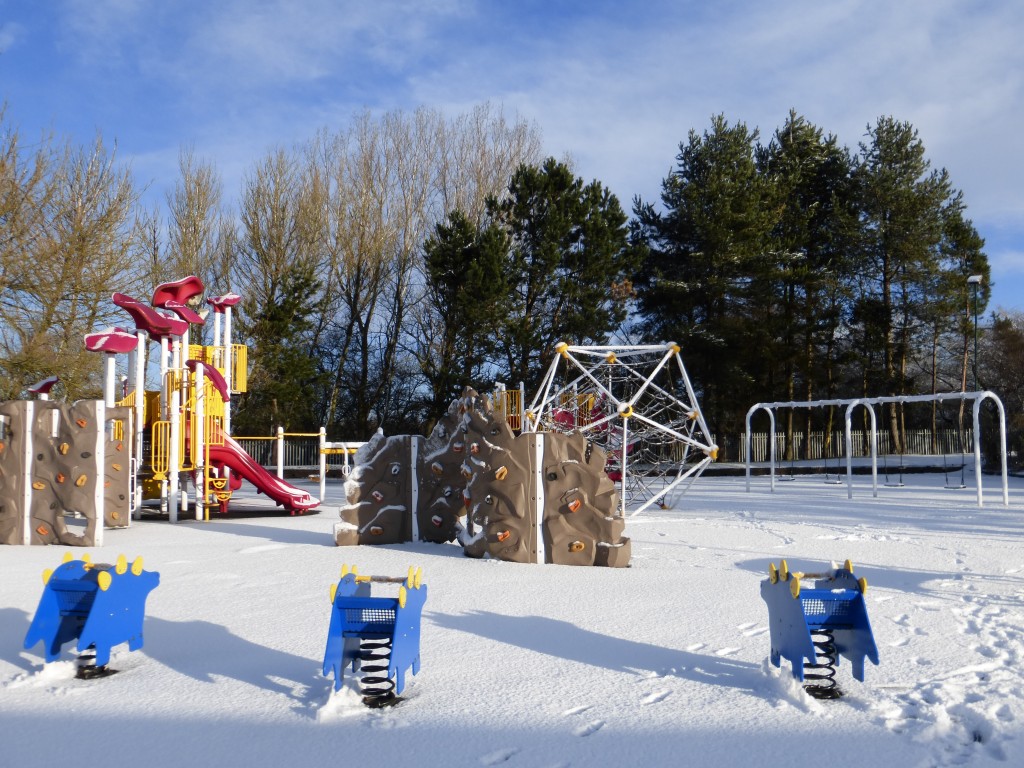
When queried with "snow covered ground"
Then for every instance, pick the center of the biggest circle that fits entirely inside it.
(663, 663)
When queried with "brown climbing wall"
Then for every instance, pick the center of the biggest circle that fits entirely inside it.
(577, 501)
(378, 494)
(501, 490)
(12, 470)
(63, 471)
(581, 524)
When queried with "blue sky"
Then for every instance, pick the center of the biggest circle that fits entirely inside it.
(614, 85)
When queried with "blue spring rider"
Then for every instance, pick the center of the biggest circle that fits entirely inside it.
(98, 604)
(819, 624)
(379, 636)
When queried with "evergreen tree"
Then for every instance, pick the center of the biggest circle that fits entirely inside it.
(904, 210)
(467, 298)
(570, 249)
(285, 383)
(704, 279)
(809, 176)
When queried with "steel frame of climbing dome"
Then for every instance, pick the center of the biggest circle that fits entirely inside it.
(549, 397)
(869, 402)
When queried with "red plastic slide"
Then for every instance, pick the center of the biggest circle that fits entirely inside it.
(232, 456)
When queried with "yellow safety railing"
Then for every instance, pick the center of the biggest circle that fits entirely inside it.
(513, 408)
(160, 452)
(239, 368)
(215, 356)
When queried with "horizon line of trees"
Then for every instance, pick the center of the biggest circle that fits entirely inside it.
(387, 264)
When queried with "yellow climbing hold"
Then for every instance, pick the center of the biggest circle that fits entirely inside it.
(68, 557)
(103, 580)
(122, 565)
(401, 597)
(784, 570)
(848, 565)
(794, 587)
(47, 573)
(773, 573)
(863, 584)
(137, 566)
(334, 592)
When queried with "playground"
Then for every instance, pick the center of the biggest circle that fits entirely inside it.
(551, 665)
(755, 617)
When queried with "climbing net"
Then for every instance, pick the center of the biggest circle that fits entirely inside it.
(636, 403)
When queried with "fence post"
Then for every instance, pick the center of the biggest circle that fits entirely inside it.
(280, 452)
(323, 462)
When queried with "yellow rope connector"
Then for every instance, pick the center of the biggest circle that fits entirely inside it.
(562, 348)
(673, 347)
(625, 411)
(611, 359)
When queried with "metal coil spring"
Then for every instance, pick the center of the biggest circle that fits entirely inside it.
(87, 669)
(377, 688)
(822, 673)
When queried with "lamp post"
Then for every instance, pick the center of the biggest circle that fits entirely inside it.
(974, 281)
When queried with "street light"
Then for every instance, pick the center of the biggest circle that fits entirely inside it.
(974, 281)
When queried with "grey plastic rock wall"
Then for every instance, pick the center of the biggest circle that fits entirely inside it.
(378, 494)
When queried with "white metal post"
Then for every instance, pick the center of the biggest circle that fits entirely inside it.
(199, 440)
(26, 477)
(280, 452)
(99, 454)
(110, 382)
(323, 462)
(414, 485)
(174, 453)
(141, 347)
(538, 499)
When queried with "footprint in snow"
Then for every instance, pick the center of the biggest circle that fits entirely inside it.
(695, 647)
(498, 757)
(654, 698)
(726, 651)
(591, 727)
(576, 710)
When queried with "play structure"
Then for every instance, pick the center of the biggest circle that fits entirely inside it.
(637, 404)
(377, 636)
(812, 628)
(100, 460)
(869, 403)
(97, 604)
(529, 498)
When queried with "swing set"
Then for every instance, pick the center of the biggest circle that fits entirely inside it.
(869, 403)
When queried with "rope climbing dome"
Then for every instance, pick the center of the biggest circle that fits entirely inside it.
(636, 403)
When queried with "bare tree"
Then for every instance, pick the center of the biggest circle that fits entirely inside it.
(73, 253)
